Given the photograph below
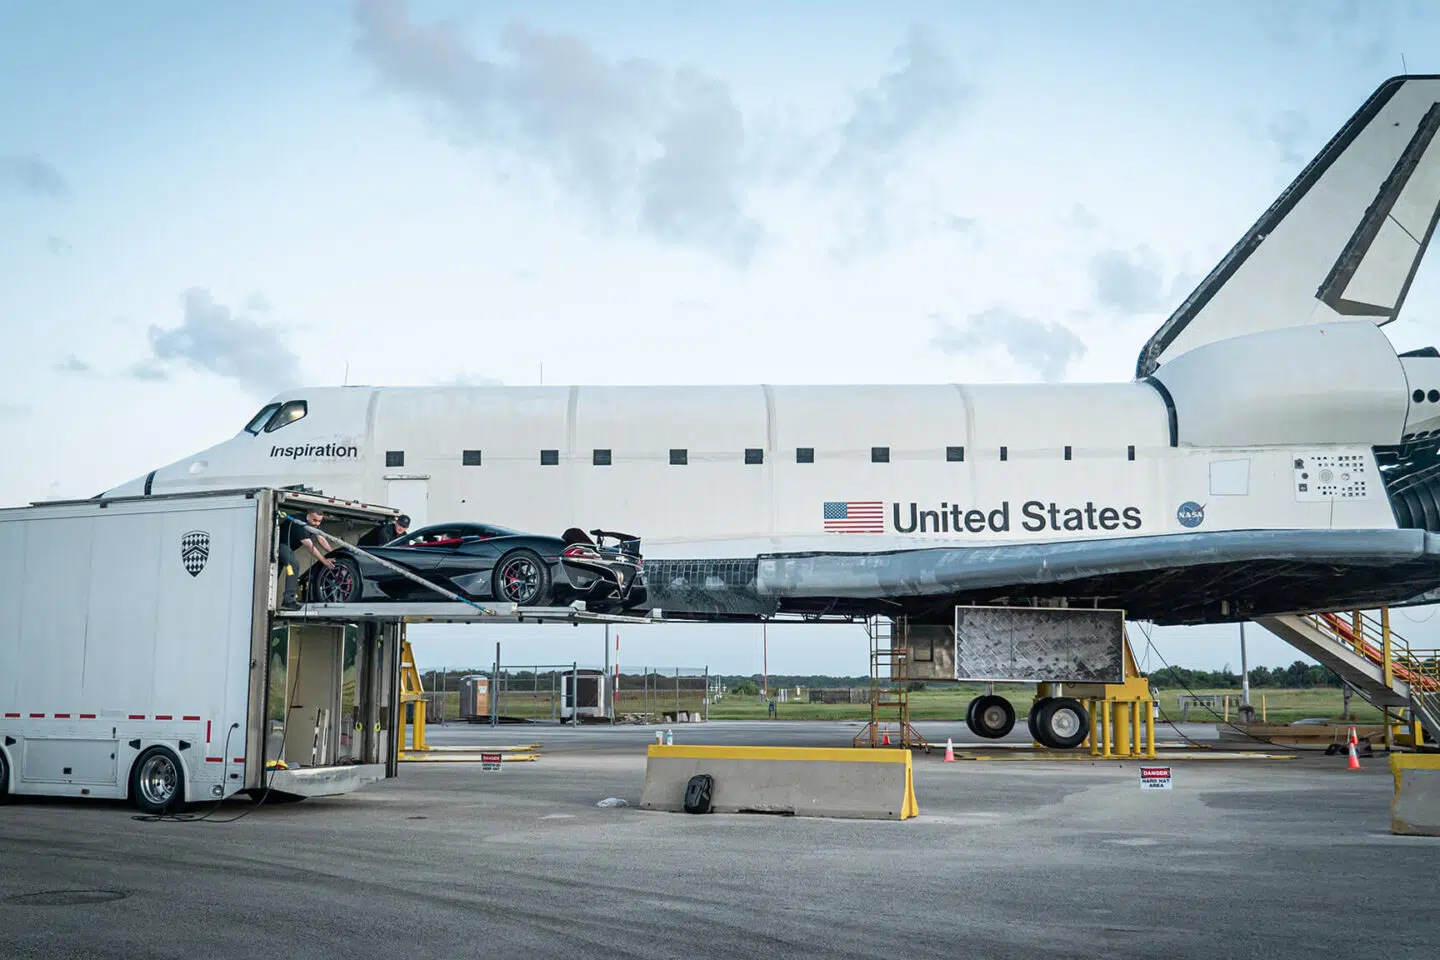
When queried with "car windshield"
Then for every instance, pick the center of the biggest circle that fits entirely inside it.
(451, 533)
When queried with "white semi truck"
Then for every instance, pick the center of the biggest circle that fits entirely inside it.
(143, 655)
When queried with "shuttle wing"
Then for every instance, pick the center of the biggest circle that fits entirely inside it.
(1344, 240)
(1167, 579)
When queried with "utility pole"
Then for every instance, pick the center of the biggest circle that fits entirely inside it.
(495, 689)
(765, 659)
(1244, 670)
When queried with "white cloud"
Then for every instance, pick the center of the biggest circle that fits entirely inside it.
(1047, 348)
(211, 339)
(73, 364)
(660, 149)
(32, 174)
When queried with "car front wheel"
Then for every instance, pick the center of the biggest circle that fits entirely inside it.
(340, 583)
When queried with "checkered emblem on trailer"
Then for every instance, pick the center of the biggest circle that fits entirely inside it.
(194, 551)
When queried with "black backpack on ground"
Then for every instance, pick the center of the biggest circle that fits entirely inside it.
(697, 793)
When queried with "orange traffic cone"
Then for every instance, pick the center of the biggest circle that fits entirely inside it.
(949, 750)
(1354, 759)
(885, 741)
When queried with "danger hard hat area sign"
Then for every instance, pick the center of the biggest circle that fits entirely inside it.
(490, 762)
(1154, 778)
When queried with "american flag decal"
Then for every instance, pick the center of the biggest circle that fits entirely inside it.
(854, 516)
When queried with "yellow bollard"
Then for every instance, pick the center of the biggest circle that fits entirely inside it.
(1105, 728)
(1094, 738)
(1150, 729)
(1122, 728)
(1135, 724)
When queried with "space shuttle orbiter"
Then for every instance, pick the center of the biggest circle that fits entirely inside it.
(1273, 453)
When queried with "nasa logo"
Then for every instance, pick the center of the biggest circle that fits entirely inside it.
(1190, 514)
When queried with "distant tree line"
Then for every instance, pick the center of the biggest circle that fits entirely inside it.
(1298, 675)
(742, 686)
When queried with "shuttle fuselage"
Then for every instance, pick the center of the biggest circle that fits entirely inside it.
(1273, 454)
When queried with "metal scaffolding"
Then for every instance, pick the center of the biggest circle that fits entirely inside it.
(889, 687)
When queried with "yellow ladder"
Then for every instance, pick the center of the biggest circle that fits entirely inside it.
(410, 692)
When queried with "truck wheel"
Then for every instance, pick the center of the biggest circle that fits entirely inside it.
(521, 578)
(990, 717)
(340, 585)
(157, 781)
(1062, 723)
(4, 778)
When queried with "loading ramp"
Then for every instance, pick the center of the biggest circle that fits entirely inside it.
(450, 611)
(1378, 663)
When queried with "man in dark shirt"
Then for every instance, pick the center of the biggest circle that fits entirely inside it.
(292, 538)
(385, 532)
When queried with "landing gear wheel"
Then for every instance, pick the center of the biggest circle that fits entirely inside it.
(522, 578)
(157, 783)
(990, 717)
(1062, 723)
(1033, 716)
(338, 584)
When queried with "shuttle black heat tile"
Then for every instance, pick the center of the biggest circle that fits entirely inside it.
(706, 586)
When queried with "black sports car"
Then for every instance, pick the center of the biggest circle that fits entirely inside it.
(485, 562)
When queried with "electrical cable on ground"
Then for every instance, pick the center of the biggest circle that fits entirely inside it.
(1243, 732)
(258, 802)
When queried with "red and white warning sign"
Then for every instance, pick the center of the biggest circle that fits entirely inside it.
(489, 763)
(1154, 778)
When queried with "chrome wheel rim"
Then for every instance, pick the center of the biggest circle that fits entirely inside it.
(158, 780)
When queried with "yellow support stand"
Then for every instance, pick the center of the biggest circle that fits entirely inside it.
(1122, 715)
(410, 692)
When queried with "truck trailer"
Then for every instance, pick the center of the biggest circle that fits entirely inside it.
(143, 655)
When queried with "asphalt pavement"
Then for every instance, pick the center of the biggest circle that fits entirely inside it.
(1272, 858)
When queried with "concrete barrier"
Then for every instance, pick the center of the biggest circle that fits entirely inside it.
(870, 784)
(1415, 808)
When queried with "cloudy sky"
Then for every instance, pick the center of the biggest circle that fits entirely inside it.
(199, 211)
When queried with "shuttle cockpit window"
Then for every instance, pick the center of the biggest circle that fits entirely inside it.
(289, 413)
(258, 421)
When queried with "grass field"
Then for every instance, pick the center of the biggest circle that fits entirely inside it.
(948, 703)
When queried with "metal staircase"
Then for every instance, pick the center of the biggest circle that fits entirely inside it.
(1378, 663)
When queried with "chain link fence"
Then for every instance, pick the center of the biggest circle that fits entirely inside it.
(542, 693)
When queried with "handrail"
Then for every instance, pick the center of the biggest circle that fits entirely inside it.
(1418, 668)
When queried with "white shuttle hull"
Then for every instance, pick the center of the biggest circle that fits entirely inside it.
(1274, 455)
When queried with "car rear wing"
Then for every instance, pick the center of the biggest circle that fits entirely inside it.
(626, 542)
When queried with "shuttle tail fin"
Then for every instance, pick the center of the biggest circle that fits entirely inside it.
(1343, 241)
